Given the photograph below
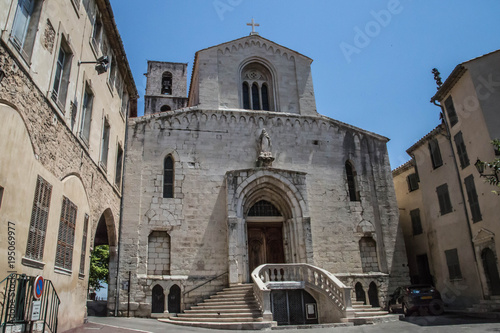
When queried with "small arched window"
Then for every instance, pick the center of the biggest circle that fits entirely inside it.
(165, 108)
(166, 83)
(351, 181)
(168, 177)
(257, 93)
(255, 97)
(246, 96)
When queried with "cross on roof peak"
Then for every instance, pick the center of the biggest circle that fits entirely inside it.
(253, 25)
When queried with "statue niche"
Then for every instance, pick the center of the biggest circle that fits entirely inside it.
(265, 158)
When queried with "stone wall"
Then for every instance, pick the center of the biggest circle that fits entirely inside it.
(206, 145)
(57, 152)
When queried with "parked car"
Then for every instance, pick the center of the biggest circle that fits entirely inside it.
(410, 299)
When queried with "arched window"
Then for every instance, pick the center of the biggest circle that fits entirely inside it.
(351, 181)
(265, 97)
(165, 108)
(168, 177)
(166, 83)
(246, 96)
(255, 97)
(257, 92)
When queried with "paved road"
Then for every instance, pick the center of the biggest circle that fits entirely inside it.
(442, 324)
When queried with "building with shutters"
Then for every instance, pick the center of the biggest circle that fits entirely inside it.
(62, 141)
(249, 175)
(448, 211)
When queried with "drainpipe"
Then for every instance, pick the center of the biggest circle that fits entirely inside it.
(448, 135)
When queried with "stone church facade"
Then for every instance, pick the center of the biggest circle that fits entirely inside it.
(249, 173)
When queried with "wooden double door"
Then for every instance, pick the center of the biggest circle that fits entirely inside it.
(265, 244)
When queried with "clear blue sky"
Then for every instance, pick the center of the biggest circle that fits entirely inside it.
(381, 83)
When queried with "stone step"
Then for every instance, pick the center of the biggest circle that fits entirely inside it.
(232, 296)
(230, 306)
(372, 320)
(236, 292)
(217, 319)
(370, 314)
(490, 301)
(248, 315)
(356, 307)
(225, 301)
(212, 310)
(369, 309)
(234, 326)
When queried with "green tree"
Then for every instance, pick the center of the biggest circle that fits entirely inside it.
(99, 266)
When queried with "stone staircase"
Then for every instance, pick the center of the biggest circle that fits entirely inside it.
(233, 308)
(366, 314)
(489, 305)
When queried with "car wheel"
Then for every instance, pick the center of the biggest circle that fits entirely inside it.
(436, 308)
(406, 311)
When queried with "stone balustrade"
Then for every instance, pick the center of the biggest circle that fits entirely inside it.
(299, 276)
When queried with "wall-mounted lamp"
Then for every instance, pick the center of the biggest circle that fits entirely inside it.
(101, 64)
(480, 168)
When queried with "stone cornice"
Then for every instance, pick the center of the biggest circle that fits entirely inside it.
(267, 118)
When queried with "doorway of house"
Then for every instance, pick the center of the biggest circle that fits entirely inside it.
(491, 271)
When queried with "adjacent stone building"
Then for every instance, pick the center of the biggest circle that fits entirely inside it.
(62, 140)
(448, 212)
(249, 173)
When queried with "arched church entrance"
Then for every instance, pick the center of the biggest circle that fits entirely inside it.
(268, 220)
(265, 235)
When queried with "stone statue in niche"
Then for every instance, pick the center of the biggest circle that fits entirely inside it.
(265, 158)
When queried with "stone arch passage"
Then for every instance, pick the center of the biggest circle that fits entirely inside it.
(105, 237)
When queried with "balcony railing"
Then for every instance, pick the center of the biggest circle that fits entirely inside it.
(299, 276)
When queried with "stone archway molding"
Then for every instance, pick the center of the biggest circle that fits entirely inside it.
(287, 191)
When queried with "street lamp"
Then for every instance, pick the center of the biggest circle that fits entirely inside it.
(480, 168)
(101, 64)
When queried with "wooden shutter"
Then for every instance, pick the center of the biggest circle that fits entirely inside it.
(435, 152)
(473, 199)
(416, 222)
(39, 218)
(461, 150)
(444, 199)
(450, 109)
(84, 244)
(66, 235)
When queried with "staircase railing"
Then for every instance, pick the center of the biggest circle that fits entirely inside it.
(273, 276)
(17, 303)
(204, 283)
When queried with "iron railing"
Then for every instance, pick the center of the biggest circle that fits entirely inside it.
(17, 304)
